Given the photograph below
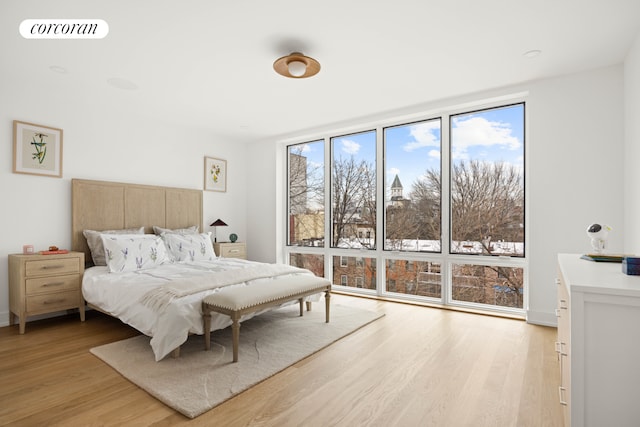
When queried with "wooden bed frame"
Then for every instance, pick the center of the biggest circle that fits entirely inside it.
(102, 205)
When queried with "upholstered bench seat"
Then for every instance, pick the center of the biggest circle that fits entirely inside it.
(240, 300)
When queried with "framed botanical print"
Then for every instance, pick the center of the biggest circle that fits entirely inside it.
(215, 174)
(37, 149)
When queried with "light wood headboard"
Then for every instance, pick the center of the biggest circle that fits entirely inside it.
(102, 205)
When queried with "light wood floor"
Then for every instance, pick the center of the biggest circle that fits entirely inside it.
(414, 367)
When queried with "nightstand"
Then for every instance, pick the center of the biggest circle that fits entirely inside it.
(231, 250)
(40, 284)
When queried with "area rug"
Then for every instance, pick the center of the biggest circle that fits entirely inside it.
(199, 380)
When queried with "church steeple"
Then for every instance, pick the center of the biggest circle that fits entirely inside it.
(396, 189)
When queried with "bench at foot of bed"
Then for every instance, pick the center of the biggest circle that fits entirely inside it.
(237, 301)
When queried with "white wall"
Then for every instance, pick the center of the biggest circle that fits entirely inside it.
(575, 173)
(576, 166)
(102, 143)
(632, 149)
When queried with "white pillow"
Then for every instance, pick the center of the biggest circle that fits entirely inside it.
(189, 247)
(189, 230)
(131, 252)
(94, 241)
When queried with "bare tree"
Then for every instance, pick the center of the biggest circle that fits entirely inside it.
(400, 224)
(487, 202)
(353, 199)
(426, 199)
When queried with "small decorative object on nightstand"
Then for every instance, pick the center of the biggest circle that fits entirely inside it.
(40, 284)
(233, 237)
(231, 249)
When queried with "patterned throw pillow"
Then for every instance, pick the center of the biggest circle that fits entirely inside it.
(94, 241)
(190, 247)
(131, 252)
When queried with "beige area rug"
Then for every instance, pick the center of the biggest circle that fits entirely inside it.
(200, 380)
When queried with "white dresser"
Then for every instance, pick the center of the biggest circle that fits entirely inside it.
(598, 343)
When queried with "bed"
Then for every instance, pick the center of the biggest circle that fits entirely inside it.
(159, 295)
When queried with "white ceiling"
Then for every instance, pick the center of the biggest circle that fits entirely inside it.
(208, 63)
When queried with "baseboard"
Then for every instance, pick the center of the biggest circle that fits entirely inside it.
(4, 319)
(543, 318)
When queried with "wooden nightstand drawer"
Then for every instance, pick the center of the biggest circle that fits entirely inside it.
(48, 267)
(52, 302)
(231, 250)
(49, 284)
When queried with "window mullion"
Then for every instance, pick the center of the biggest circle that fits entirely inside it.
(445, 206)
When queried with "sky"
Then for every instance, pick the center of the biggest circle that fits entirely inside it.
(494, 135)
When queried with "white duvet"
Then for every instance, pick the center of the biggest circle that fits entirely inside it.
(120, 295)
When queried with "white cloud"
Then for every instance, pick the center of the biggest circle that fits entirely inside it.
(434, 154)
(423, 135)
(305, 148)
(393, 171)
(350, 147)
(478, 131)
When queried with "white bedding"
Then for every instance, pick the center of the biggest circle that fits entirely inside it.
(120, 295)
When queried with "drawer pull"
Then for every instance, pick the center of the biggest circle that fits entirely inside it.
(561, 392)
(51, 267)
(54, 301)
(52, 284)
(234, 251)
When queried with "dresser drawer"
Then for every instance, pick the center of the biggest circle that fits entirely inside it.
(48, 267)
(53, 301)
(235, 251)
(48, 284)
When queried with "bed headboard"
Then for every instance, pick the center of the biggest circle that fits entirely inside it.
(102, 205)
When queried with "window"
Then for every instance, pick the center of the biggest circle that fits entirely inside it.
(452, 204)
(413, 278)
(412, 187)
(487, 182)
(489, 285)
(306, 194)
(359, 272)
(353, 191)
(312, 262)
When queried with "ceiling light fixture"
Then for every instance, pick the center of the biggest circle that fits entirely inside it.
(296, 66)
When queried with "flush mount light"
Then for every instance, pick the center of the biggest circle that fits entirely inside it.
(296, 66)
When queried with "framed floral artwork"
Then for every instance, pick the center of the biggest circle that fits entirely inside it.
(37, 149)
(215, 174)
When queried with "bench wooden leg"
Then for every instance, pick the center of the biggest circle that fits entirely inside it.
(176, 353)
(327, 298)
(301, 305)
(235, 327)
(308, 305)
(206, 320)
